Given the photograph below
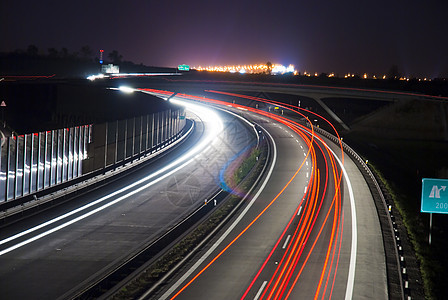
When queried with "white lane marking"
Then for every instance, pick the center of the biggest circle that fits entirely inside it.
(307, 163)
(286, 241)
(260, 290)
(305, 189)
(300, 210)
(307, 174)
(304, 154)
(227, 232)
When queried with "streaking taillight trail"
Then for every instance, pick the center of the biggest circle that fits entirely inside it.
(322, 199)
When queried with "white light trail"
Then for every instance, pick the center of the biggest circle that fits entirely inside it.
(229, 229)
(126, 89)
(214, 127)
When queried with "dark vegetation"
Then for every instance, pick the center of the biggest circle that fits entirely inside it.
(402, 163)
(435, 87)
(64, 64)
(405, 141)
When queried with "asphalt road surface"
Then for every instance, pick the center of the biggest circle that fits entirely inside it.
(58, 263)
(310, 231)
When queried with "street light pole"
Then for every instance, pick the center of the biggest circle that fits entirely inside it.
(3, 107)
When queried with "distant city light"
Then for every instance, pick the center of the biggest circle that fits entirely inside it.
(276, 69)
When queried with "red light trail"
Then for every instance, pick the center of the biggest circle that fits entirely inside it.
(322, 208)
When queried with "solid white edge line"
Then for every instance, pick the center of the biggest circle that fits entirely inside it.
(227, 232)
(354, 246)
(260, 290)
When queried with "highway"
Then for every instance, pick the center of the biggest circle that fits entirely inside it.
(310, 231)
(57, 252)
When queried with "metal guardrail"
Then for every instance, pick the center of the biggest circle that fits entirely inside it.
(398, 284)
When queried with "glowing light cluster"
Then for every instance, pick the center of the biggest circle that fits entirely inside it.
(279, 69)
(94, 77)
(126, 75)
(250, 69)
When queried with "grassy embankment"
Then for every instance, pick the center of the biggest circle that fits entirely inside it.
(400, 165)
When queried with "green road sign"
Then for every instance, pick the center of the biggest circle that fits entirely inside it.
(183, 68)
(434, 196)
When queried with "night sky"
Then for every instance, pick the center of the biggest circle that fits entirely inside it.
(315, 36)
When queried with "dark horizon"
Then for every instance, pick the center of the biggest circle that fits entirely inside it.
(350, 37)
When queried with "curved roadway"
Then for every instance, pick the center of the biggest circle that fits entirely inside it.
(57, 264)
(296, 237)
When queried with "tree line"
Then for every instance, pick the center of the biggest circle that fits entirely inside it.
(84, 53)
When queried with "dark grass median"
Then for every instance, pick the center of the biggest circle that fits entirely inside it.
(399, 166)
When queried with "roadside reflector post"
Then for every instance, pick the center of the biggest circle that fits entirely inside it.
(430, 228)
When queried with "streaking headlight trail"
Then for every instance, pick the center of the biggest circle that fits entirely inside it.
(214, 127)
